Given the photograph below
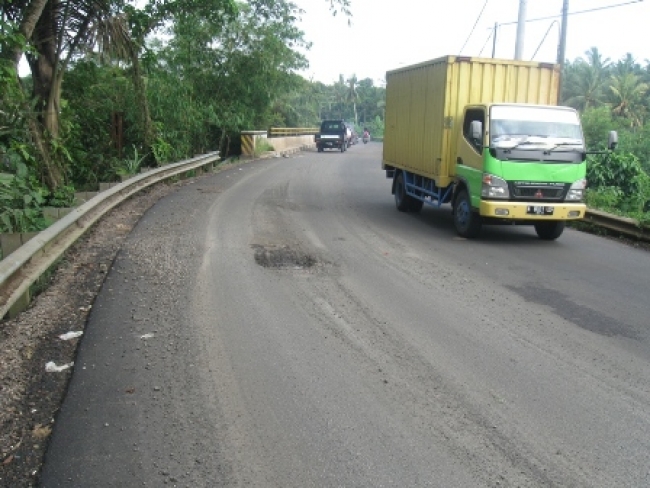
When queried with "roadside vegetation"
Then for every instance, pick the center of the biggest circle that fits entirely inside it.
(114, 88)
(614, 96)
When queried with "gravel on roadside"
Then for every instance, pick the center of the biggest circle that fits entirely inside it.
(29, 395)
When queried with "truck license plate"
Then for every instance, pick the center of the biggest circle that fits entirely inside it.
(539, 210)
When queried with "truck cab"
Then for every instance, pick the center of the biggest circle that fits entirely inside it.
(520, 162)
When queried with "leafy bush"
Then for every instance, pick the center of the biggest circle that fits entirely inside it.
(262, 145)
(130, 166)
(162, 151)
(605, 198)
(618, 184)
(62, 197)
(21, 198)
(620, 169)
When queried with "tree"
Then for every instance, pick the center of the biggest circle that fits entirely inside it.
(628, 95)
(340, 92)
(352, 96)
(219, 79)
(586, 81)
(627, 65)
(54, 33)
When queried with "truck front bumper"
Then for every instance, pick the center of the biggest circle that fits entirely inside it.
(533, 211)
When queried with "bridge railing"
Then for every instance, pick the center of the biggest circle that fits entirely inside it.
(292, 131)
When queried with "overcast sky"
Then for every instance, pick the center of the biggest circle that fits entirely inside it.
(387, 34)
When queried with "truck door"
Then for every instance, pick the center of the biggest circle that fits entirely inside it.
(469, 154)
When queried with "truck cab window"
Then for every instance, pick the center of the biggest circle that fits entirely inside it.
(471, 115)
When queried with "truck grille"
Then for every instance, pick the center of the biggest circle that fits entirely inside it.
(538, 191)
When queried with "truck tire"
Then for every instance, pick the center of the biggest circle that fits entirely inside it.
(343, 147)
(466, 221)
(402, 200)
(320, 148)
(549, 231)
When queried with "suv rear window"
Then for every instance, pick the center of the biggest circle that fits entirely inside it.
(331, 126)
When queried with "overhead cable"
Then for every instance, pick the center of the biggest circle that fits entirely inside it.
(474, 27)
(595, 9)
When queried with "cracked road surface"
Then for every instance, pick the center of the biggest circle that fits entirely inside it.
(280, 324)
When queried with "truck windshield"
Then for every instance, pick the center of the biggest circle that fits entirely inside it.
(533, 127)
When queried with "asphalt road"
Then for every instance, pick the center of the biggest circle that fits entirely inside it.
(280, 324)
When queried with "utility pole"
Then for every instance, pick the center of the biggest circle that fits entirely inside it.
(521, 29)
(494, 40)
(561, 50)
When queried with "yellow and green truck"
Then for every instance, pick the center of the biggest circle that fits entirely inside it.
(487, 136)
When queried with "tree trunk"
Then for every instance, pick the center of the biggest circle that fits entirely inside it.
(47, 91)
(148, 131)
(26, 28)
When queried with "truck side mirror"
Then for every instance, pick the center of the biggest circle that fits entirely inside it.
(612, 142)
(476, 131)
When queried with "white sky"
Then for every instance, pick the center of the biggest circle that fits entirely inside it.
(388, 34)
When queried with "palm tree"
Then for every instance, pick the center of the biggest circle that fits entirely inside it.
(352, 96)
(628, 97)
(340, 94)
(627, 65)
(586, 80)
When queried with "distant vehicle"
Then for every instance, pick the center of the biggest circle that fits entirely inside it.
(366, 136)
(354, 137)
(334, 134)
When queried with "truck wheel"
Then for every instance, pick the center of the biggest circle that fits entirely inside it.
(549, 231)
(467, 222)
(402, 199)
(320, 148)
(343, 147)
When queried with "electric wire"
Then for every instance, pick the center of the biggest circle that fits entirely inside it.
(543, 39)
(474, 27)
(595, 9)
(486, 41)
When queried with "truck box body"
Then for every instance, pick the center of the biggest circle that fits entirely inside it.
(425, 103)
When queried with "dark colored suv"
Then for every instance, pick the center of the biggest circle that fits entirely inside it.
(334, 134)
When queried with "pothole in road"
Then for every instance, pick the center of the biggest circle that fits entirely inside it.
(283, 257)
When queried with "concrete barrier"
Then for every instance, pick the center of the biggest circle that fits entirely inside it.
(281, 145)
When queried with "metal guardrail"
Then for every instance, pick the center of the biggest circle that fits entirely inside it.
(23, 267)
(623, 225)
(292, 131)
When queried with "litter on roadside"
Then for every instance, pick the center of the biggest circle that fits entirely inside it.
(71, 335)
(146, 336)
(51, 367)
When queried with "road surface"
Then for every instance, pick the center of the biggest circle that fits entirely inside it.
(280, 324)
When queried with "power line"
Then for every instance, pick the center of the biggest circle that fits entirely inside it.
(486, 41)
(543, 39)
(595, 9)
(474, 27)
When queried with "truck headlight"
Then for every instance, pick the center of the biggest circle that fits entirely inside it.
(494, 187)
(577, 191)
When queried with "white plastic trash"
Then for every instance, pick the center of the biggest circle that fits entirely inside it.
(51, 367)
(70, 335)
